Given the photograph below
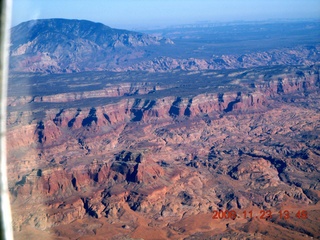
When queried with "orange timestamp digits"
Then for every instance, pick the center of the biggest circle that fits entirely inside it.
(300, 214)
(263, 214)
(224, 214)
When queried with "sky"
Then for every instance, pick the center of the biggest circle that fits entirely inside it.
(134, 14)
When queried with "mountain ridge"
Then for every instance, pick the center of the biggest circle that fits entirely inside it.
(69, 45)
(64, 45)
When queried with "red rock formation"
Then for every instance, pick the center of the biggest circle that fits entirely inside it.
(163, 160)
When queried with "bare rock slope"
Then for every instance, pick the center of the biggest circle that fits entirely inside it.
(145, 161)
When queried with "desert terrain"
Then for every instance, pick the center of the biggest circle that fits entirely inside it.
(113, 136)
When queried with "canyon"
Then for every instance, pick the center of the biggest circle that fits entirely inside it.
(148, 158)
(117, 134)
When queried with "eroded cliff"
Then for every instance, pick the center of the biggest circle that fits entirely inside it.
(147, 160)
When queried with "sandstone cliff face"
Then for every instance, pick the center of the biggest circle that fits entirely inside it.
(166, 159)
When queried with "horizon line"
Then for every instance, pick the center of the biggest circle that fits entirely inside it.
(201, 22)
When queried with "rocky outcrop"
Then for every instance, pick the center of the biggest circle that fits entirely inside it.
(156, 162)
(298, 56)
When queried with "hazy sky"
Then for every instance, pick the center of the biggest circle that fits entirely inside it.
(144, 13)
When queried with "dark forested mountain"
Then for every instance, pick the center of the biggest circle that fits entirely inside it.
(61, 45)
(44, 31)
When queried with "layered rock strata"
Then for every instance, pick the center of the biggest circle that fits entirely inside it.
(146, 164)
